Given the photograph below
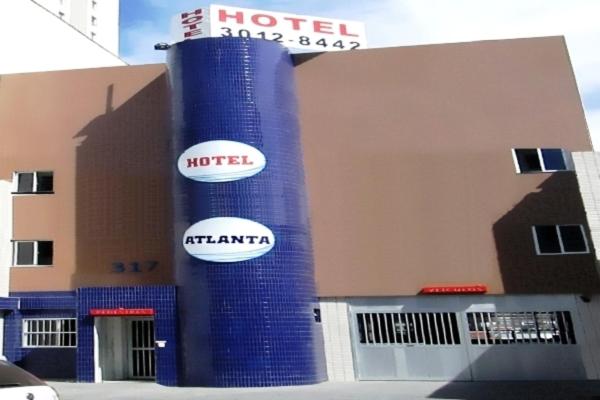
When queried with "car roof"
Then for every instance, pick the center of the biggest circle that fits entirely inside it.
(13, 376)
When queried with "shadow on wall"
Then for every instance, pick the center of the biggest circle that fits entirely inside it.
(123, 192)
(301, 58)
(523, 272)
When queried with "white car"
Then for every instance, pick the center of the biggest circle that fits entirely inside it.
(18, 384)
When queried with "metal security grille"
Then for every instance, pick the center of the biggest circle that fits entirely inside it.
(439, 328)
(50, 332)
(489, 328)
(142, 364)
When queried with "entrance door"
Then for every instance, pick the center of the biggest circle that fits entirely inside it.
(141, 349)
(111, 349)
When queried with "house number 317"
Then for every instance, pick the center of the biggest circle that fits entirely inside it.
(134, 266)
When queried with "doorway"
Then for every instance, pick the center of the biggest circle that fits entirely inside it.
(142, 363)
(124, 348)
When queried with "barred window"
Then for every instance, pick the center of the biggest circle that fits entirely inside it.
(54, 332)
(552, 327)
(425, 329)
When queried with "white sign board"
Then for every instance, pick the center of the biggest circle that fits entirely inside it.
(220, 161)
(227, 239)
(301, 32)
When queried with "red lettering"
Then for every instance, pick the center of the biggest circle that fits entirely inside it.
(204, 161)
(196, 12)
(320, 27)
(238, 16)
(271, 21)
(218, 159)
(295, 22)
(193, 19)
(195, 32)
(454, 289)
(344, 31)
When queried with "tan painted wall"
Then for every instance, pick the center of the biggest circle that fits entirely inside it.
(409, 168)
(407, 152)
(104, 133)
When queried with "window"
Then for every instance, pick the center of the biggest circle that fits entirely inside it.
(544, 327)
(33, 253)
(541, 160)
(559, 239)
(423, 329)
(33, 182)
(54, 332)
(94, 21)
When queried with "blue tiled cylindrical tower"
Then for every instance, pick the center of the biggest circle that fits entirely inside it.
(246, 312)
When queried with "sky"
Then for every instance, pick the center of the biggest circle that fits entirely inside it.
(407, 23)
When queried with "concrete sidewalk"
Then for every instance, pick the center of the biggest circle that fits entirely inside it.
(589, 390)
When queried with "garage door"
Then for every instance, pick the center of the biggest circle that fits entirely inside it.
(467, 338)
(414, 339)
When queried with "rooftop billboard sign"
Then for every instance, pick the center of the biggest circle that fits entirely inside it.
(301, 32)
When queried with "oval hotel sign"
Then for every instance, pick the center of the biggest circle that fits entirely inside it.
(228, 239)
(220, 161)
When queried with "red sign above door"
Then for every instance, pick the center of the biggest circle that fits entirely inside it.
(460, 289)
(121, 312)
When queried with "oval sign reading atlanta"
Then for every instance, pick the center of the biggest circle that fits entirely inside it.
(228, 239)
(220, 161)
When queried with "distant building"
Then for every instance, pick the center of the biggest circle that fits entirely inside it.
(97, 19)
(58, 35)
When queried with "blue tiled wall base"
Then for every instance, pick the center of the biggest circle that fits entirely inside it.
(47, 363)
(9, 303)
(245, 323)
(161, 298)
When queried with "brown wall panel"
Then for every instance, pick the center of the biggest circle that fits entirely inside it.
(408, 162)
(104, 133)
(410, 174)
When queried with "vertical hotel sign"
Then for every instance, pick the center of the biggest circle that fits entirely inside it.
(300, 32)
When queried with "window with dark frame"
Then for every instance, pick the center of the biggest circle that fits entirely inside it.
(34, 182)
(540, 160)
(560, 239)
(33, 253)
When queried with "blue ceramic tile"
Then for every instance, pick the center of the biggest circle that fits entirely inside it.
(78, 363)
(9, 303)
(48, 363)
(245, 323)
(160, 298)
